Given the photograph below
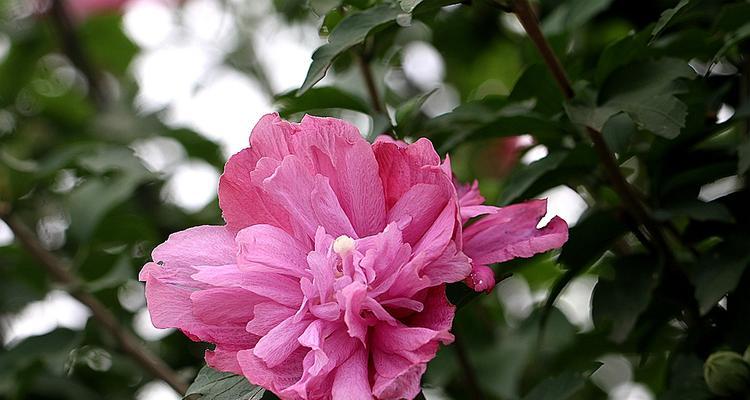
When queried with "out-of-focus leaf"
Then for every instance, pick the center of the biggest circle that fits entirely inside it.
(522, 179)
(106, 43)
(695, 209)
(537, 84)
(666, 18)
(409, 5)
(731, 40)
(319, 98)
(117, 275)
(408, 111)
(622, 52)
(351, 31)
(52, 348)
(198, 146)
(685, 380)
(719, 271)
(617, 303)
(560, 387)
(618, 131)
(743, 152)
(214, 385)
(90, 201)
(571, 15)
(590, 238)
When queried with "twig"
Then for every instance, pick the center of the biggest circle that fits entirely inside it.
(61, 273)
(522, 9)
(469, 373)
(372, 89)
(74, 51)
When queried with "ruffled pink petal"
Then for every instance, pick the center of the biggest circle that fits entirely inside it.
(403, 167)
(241, 199)
(280, 342)
(268, 315)
(308, 200)
(169, 284)
(336, 150)
(279, 288)
(268, 248)
(277, 378)
(202, 245)
(352, 380)
(511, 232)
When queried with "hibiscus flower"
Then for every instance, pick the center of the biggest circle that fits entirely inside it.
(328, 279)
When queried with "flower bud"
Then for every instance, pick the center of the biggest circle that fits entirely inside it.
(747, 354)
(727, 373)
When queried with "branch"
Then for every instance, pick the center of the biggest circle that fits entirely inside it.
(74, 51)
(372, 89)
(61, 273)
(522, 9)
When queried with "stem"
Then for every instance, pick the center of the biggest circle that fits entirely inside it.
(468, 369)
(372, 89)
(74, 51)
(61, 273)
(523, 11)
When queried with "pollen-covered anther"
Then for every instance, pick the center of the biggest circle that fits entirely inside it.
(343, 245)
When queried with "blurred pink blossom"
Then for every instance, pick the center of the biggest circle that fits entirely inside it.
(328, 279)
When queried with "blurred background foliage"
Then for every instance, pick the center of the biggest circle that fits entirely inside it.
(101, 173)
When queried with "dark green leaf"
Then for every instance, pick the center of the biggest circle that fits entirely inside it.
(521, 179)
(646, 91)
(560, 387)
(617, 303)
(571, 15)
(719, 271)
(214, 385)
(743, 152)
(351, 31)
(590, 238)
(666, 18)
(318, 99)
(618, 131)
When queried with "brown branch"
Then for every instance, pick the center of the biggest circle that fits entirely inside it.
(74, 51)
(372, 89)
(61, 273)
(525, 14)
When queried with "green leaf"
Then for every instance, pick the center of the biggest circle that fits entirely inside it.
(318, 99)
(409, 5)
(695, 209)
(106, 43)
(571, 15)
(120, 173)
(408, 112)
(685, 380)
(522, 179)
(590, 239)
(536, 83)
(646, 91)
(211, 384)
(666, 18)
(719, 271)
(197, 146)
(351, 31)
(560, 387)
(743, 153)
(617, 303)
(618, 131)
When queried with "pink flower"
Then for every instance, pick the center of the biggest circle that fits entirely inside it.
(328, 279)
